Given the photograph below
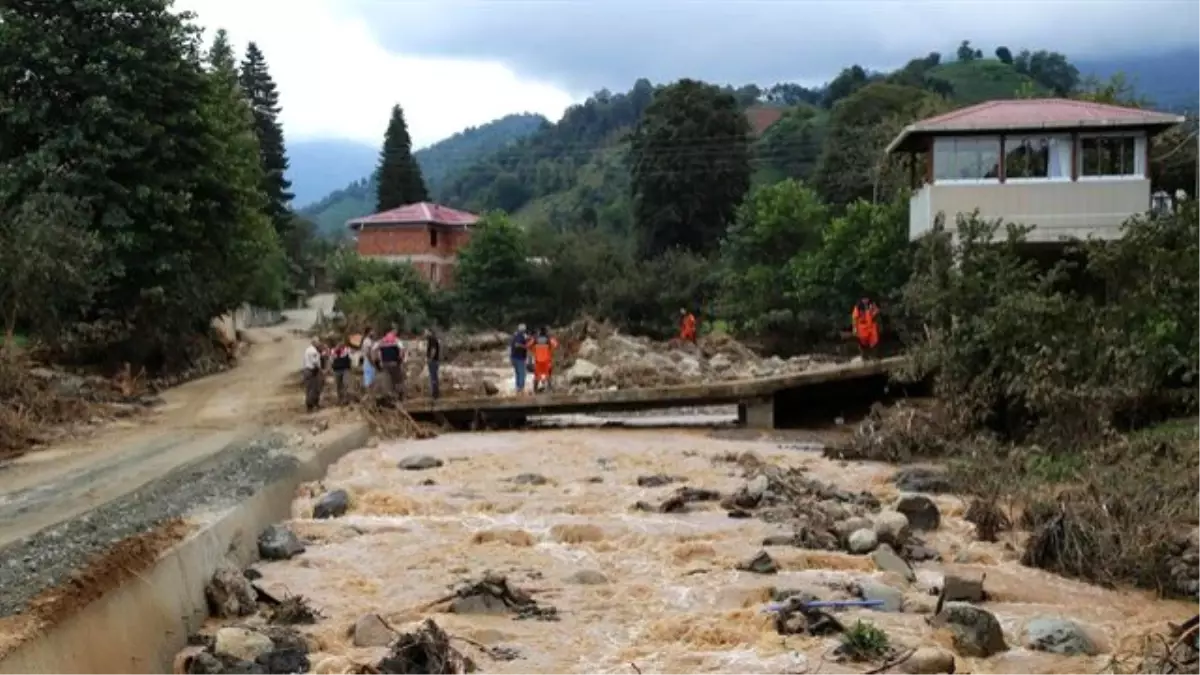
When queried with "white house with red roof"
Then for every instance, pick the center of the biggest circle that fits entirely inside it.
(424, 234)
(1069, 168)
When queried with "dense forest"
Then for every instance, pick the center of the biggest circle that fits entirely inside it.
(438, 163)
(137, 206)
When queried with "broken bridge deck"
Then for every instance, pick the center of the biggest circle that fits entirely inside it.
(761, 401)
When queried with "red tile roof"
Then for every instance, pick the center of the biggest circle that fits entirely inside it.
(421, 213)
(1036, 113)
(761, 117)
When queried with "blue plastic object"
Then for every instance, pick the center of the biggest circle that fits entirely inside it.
(820, 604)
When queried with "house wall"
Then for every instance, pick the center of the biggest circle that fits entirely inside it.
(1059, 209)
(413, 244)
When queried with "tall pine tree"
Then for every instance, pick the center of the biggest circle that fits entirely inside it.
(255, 268)
(400, 180)
(264, 100)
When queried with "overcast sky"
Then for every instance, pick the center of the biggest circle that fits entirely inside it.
(341, 64)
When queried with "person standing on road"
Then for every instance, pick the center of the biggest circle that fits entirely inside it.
(367, 351)
(340, 364)
(518, 353)
(433, 358)
(313, 377)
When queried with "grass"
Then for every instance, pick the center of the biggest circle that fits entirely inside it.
(864, 641)
(982, 80)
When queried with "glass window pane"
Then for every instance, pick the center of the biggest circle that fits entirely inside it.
(1108, 156)
(943, 159)
(1027, 157)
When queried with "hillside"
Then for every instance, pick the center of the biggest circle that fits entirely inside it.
(573, 173)
(438, 162)
(318, 167)
(1168, 79)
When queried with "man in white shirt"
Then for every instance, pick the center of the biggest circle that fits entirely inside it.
(313, 377)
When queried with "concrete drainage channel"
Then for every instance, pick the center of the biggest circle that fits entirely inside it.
(139, 625)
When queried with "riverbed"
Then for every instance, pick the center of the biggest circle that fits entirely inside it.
(637, 590)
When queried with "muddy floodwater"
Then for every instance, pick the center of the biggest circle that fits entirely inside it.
(667, 596)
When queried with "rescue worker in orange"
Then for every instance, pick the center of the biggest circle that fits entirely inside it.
(542, 347)
(687, 326)
(866, 325)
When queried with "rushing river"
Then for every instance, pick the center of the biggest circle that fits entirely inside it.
(673, 600)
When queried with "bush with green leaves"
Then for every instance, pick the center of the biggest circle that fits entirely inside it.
(380, 294)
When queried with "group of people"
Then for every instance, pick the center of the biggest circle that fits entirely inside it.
(384, 359)
(383, 363)
(532, 353)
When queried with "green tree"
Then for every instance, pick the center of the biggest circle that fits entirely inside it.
(264, 101)
(790, 147)
(690, 167)
(965, 51)
(400, 180)
(774, 225)
(249, 261)
(865, 251)
(494, 279)
(154, 182)
(1004, 54)
(852, 164)
(48, 257)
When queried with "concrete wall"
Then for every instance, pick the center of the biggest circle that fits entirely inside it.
(139, 627)
(1058, 209)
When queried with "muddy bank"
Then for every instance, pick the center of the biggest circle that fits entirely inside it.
(579, 521)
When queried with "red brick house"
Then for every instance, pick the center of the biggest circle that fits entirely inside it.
(426, 235)
(763, 117)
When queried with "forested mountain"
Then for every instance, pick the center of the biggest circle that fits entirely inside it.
(437, 162)
(575, 173)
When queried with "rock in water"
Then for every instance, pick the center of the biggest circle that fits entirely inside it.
(331, 504)
(928, 661)
(587, 578)
(419, 463)
(921, 512)
(242, 643)
(962, 589)
(1059, 636)
(529, 479)
(922, 479)
(278, 543)
(230, 594)
(887, 561)
(762, 563)
(976, 631)
(862, 541)
(371, 631)
(893, 600)
(655, 480)
(891, 527)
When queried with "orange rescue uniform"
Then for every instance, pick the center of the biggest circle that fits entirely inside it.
(687, 328)
(865, 326)
(542, 347)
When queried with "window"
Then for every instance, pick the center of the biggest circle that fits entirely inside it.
(432, 238)
(1109, 156)
(966, 159)
(1035, 157)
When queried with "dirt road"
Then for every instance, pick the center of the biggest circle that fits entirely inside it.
(198, 420)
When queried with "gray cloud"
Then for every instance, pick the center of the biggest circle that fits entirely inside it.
(583, 45)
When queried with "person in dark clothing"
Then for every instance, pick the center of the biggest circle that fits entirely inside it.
(433, 358)
(313, 375)
(518, 352)
(391, 361)
(340, 364)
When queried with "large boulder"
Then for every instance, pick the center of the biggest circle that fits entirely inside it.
(887, 560)
(372, 631)
(331, 505)
(242, 643)
(921, 512)
(279, 543)
(1059, 636)
(976, 631)
(922, 479)
(419, 463)
(892, 599)
(862, 541)
(230, 594)
(891, 527)
(582, 372)
(928, 661)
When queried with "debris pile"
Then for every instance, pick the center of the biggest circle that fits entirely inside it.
(243, 649)
(594, 355)
(425, 650)
(494, 595)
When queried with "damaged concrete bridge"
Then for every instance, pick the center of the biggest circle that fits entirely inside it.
(763, 403)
